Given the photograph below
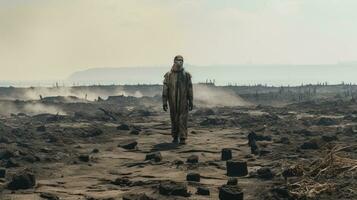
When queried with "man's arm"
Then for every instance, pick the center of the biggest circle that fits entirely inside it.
(190, 93)
(165, 92)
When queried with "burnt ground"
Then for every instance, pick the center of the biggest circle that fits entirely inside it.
(97, 150)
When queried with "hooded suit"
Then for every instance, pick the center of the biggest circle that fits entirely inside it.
(177, 91)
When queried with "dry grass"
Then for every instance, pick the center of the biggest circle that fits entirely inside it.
(321, 178)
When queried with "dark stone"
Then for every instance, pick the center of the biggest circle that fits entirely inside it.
(30, 158)
(257, 137)
(134, 132)
(84, 158)
(193, 176)
(232, 181)
(123, 127)
(24, 180)
(236, 168)
(310, 145)
(155, 156)
(263, 152)
(178, 162)
(95, 150)
(136, 197)
(6, 154)
(294, 171)
(265, 173)
(130, 144)
(2, 173)
(173, 188)
(324, 121)
(329, 138)
(49, 196)
(11, 163)
(4, 139)
(226, 154)
(230, 192)
(41, 128)
(93, 132)
(121, 182)
(192, 159)
(203, 191)
(282, 192)
(284, 140)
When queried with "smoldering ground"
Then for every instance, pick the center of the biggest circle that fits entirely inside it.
(29, 108)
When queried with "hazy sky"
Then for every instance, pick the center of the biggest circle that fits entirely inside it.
(50, 39)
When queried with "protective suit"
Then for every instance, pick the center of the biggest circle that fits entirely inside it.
(177, 91)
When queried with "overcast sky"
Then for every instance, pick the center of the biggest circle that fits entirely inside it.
(50, 39)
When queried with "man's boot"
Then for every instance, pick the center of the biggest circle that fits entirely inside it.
(175, 140)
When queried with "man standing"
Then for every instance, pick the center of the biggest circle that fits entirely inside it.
(177, 90)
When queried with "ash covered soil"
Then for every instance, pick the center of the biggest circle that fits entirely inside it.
(121, 148)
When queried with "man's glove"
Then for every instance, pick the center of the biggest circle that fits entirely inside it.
(190, 106)
(164, 107)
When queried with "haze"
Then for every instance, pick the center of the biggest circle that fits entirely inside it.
(48, 39)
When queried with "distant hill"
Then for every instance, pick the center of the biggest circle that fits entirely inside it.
(224, 74)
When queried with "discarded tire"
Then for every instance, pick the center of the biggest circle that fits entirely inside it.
(226, 154)
(173, 188)
(230, 192)
(193, 176)
(236, 168)
(155, 156)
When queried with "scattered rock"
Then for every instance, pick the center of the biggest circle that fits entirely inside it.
(257, 137)
(2, 173)
(293, 171)
(130, 144)
(49, 196)
(192, 159)
(134, 132)
(136, 197)
(178, 162)
(4, 139)
(310, 145)
(124, 127)
(84, 158)
(173, 188)
(329, 138)
(324, 121)
(93, 132)
(95, 150)
(263, 152)
(155, 156)
(193, 176)
(23, 180)
(232, 181)
(11, 163)
(230, 192)
(122, 182)
(265, 173)
(6, 154)
(236, 168)
(284, 140)
(282, 192)
(203, 191)
(226, 154)
(41, 128)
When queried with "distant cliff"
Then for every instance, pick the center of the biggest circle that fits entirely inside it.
(224, 74)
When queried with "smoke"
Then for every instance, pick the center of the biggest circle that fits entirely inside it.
(82, 93)
(29, 108)
(208, 96)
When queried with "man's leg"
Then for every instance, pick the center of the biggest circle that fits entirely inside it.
(183, 128)
(174, 130)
